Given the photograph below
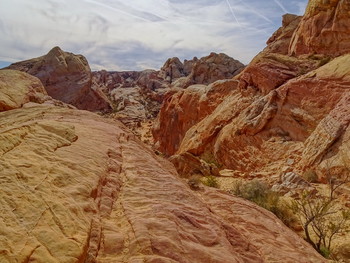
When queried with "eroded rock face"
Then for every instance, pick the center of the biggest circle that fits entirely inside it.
(300, 120)
(66, 77)
(172, 69)
(76, 187)
(200, 71)
(184, 109)
(287, 114)
(280, 40)
(324, 29)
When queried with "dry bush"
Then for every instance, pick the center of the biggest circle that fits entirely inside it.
(210, 181)
(259, 192)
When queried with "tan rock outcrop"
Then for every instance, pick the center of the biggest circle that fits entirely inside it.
(324, 29)
(200, 71)
(66, 77)
(76, 187)
(18, 88)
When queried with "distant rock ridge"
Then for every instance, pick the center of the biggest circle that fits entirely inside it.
(66, 77)
(137, 96)
(205, 70)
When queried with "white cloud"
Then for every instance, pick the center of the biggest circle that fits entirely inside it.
(117, 35)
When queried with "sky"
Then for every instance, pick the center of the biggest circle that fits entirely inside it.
(139, 34)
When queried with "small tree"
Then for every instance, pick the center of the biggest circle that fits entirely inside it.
(322, 219)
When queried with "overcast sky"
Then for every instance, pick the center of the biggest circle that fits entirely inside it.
(139, 34)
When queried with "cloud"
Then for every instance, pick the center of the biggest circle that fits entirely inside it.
(130, 35)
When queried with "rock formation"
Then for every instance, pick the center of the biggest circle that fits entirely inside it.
(66, 77)
(19, 89)
(137, 96)
(281, 114)
(324, 29)
(28, 88)
(77, 187)
(184, 109)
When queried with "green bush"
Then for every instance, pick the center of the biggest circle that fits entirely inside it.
(325, 252)
(210, 181)
(259, 192)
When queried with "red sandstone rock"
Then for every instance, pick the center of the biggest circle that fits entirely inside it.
(324, 29)
(280, 40)
(137, 96)
(288, 114)
(184, 109)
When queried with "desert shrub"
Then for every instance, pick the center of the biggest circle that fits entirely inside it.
(310, 176)
(325, 252)
(210, 181)
(259, 192)
(321, 218)
(255, 191)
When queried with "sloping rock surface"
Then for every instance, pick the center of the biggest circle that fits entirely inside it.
(66, 77)
(79, 188)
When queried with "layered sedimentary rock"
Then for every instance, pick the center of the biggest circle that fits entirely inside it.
(66, 77)
(282, 113)
(214, 67)
(76, 187)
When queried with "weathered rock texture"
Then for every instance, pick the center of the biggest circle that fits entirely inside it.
(75, 187)
(324, 29)
(281, 114)
(27, 88)
(184, 109)
(136, 96)
(19, 89)
(66, 77)
(280, 40)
